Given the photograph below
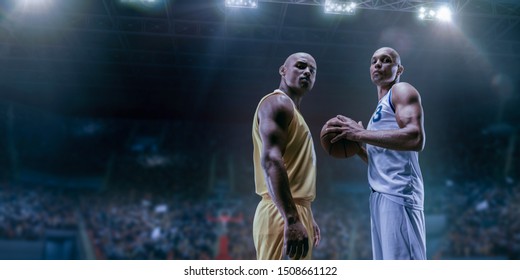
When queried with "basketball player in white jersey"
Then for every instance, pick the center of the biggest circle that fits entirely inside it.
(394, 136)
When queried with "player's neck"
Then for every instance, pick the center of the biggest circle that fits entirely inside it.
(296, 97)
(382, 90)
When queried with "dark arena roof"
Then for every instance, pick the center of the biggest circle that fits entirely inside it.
(159, 96)
(197, 59)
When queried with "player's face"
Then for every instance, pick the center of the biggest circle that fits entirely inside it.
(300, 72)
(384, 66)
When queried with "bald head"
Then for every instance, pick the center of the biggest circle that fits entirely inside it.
(299, 55)
(393, 53)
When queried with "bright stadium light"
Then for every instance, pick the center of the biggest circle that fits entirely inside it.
(242, 3)
(426, 14)
(444, 14)
(339, 7)
(441, 14)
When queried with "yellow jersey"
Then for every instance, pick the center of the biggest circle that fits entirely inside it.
(299, 157)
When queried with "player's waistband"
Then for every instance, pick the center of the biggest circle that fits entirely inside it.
(300, 201)
(399, 200)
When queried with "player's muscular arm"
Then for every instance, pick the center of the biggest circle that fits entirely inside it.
(409, 117)
(276, 112)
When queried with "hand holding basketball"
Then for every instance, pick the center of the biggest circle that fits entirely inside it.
(343, 148)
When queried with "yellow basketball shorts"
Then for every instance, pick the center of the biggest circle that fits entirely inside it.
(268, 228)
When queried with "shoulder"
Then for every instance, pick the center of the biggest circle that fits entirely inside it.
(405, 93)
(276, 104)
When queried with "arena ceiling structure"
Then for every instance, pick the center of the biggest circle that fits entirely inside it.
(199, 59)
(160, 94)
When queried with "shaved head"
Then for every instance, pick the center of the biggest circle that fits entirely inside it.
(393, 53)
(297, 56)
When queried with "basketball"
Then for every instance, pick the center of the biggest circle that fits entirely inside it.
(342, 149)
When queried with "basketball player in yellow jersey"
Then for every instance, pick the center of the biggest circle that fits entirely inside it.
(285, 167)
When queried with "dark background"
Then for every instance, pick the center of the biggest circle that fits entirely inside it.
(106, 95)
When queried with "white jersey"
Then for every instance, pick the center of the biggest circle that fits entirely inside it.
(396, 174)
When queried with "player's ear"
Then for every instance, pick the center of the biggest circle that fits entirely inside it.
(282, 70)
(400, 69)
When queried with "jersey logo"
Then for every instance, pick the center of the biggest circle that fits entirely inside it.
(377, 114)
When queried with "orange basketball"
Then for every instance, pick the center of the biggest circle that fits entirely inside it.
(342, 149)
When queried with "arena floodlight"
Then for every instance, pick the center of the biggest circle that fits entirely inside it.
(340, 7)
(444, 14)
(441, 14)
(242, 3)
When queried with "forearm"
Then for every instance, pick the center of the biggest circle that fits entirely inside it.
(399, 139)
(279, 190)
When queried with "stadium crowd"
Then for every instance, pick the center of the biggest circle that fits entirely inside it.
(142, 224)
(158, 201)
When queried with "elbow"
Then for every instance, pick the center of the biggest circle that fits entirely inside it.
(265, 162)
(269, 162)
(419, 147)
(418, 144)
(415, 141)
